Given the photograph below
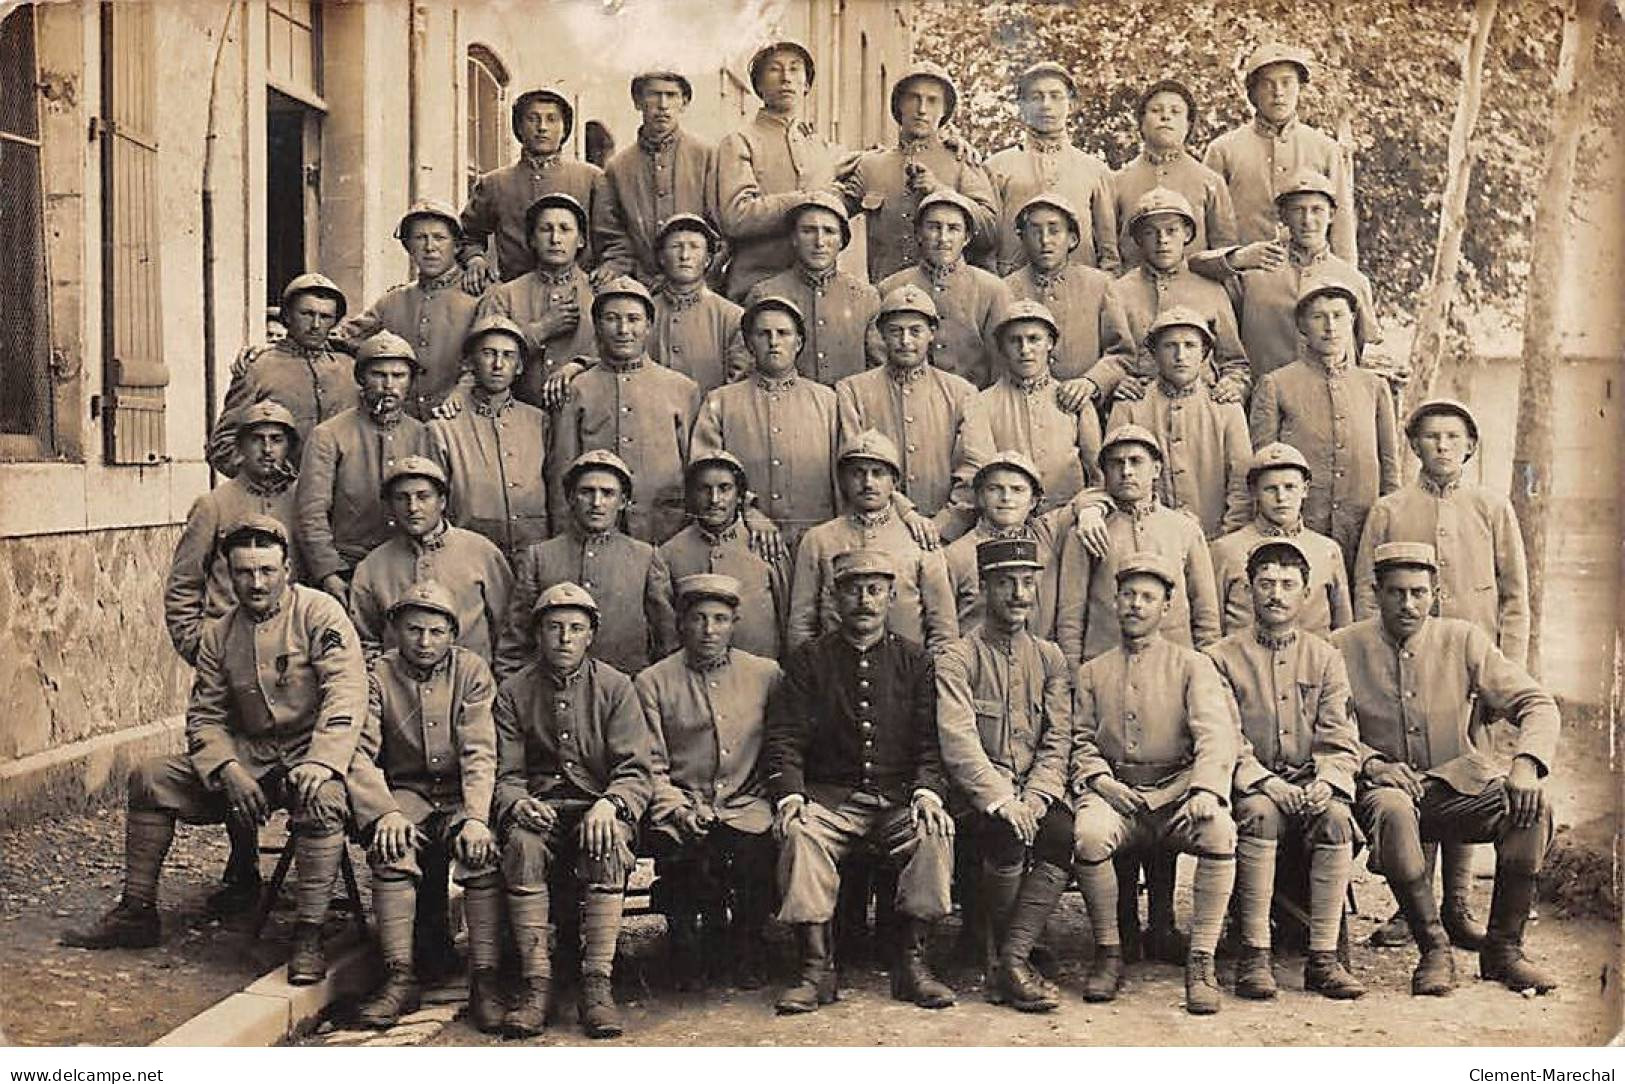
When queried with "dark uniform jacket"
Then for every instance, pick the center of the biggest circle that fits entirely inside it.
(342, 514)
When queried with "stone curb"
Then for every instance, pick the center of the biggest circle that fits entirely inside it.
(81, 773)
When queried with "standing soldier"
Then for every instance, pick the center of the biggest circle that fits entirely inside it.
(342, 516)
(695, 331)
(709, 817)
(501, 201)
(1294, 782)
(1165, 112)
(887, 185)
(662, 175)
(1254, 159)
(769, 166)
(837, 305)
(1044, 160)
(432, 313)
(572, 784)
(1004, 719)
(851, 755)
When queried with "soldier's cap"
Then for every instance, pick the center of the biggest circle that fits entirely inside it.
(1270, 549)
(863, 563)
(747, 319)
(1274, 457)
(1010, 460)
(1307, 181)
(947, 196)
(926, 69)
(1404, 555)
(1276, 53)
(692, 223)
(384, 346)
(1178, 316)
(415, 466)
(496, 324)
(1130, 434)
(1149, 563)
(703, 585)
(1059, 203)
(1042, 69)
(565, 596)
(1166, 86)
(873, 445)
(679, 78)
(561, 200)
(1161, 201)
(542, 94)
(908, 298)
(719, 458)
(254, 524)
(313, 282)
(1017, 311)
(429, 208)
(266, 412)
(822, 201)
(429, 595)
(598, 459)
(623, 286)
(765, 52)
(1442, 406)
(1321, 285)
(997, 553)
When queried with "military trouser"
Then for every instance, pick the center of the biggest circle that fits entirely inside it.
(1328, 837)
(809, 860)
(170, 784)
(440, 827)
(1398, 826)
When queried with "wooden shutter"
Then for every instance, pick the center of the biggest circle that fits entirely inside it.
(132, 313)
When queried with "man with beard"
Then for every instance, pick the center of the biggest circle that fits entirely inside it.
(695, 332)
(1165, 112)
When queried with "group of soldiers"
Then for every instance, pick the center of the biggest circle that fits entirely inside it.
(635, 526)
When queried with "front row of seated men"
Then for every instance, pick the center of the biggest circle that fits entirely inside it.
(712, 759)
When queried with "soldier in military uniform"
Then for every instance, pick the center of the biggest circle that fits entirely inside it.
(1004, 721)
(277, 707)
(694, 331)
(851, 755)
(1165, 112)
(1153, 751)
(709, 816)
(572, 783)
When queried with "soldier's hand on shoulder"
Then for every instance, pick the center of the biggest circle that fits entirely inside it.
(393, 837)
(1257, 256)
(922, 530)
(1091, 531)
(556, 390)
(1229, 389)
(476, 847)
(1074, 395)
(477, 275)
(1130, 388)
(764, 537)
(334, 585)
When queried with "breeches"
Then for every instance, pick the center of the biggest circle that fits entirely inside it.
(169, 784)
(441, 827)
(1001, 849)
(1398, 826)
(812, 852)
(1260, 818)
(1101, 831)
(528, 855)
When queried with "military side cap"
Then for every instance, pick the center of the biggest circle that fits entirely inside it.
(562, 596)
(822, 201)
(719, 458)
(1276, 53)
(690, 222)
(747, 319)
(704, 585)
(623, 286)
(1161, 201)
(265, 412)
(416, 466)
(542, 94)
(429, 208)
(1178, 316)
(1017, 311)
(948, 197)
(908, 299)
(1046, 68)
(875, 445)
(256, 523)
(312, 282)
(1059, 203)
(1010, 460)
(765, 52)
(1130, 434)
(1307, 181)
(997, 553)
(428, 595)
(1148, 563)
(1323, 285)
(644, 77)
(1275, 456)
(560, 201)
(1442, 406)
(496, 324)
(384, 346)
(1404, 555)
(1260, 551)
(599, 459)
(926, 69)
(863, 563)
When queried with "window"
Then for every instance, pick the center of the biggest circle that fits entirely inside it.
(294, 110)
(488, 136)
(293, 47)
(25, 341)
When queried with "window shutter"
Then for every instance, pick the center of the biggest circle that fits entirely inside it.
(132, 313)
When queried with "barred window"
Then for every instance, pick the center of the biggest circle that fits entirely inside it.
(487, 126)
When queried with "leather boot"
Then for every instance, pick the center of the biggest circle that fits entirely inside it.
(485, 1007)
(1201, 985)
(527, 1017)
(1020, 986)
(1254, 977)
(128, 925)
(1502, 959)
(1105, 976)
(911, 978)
(1435, 973)
(308, 964)
(235, 897)
(1324, 973)
(997, 891)
(400, 994)
(600, 1019)
(1391, 934)
(1464, 931)
(817, 983)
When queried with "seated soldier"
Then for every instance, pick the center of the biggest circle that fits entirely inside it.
(709, 816)
(1294, 782)
(1153, 751)
(852, 759)
(1004, 719)
(430, 787)
(572, 783)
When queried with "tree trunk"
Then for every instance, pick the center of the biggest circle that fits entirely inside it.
(1532, 454)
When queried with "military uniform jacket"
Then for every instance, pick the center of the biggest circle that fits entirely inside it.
(1094, 327)
(838, 308)
(1256, 160)
(314, 385)
(646, 184)
(434, 315)
(627, 578)
(1416, 702)
(582, 736)
(1206, 450)
(924, 608)
(762, 170)
(969, 302)
(878, 187)
(1178, 170)
(1328, 607)
(438, 742)
(1063, 445)
(784, 433)
(1035, 165)
(1482, 574)
(528, 298)
(764, 598)
(921, 410)
(282, 691)
(468, 565)
(494, 455)
(642, 412)
(199, 584)
(706, 729)
(1155, 718)
(1342, 421)
(1004, 717)
(342, 515)
(1061, 582)
(1145, 292)
(501, 197)
(1292, 705)
(845, 720)
(697, 334)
